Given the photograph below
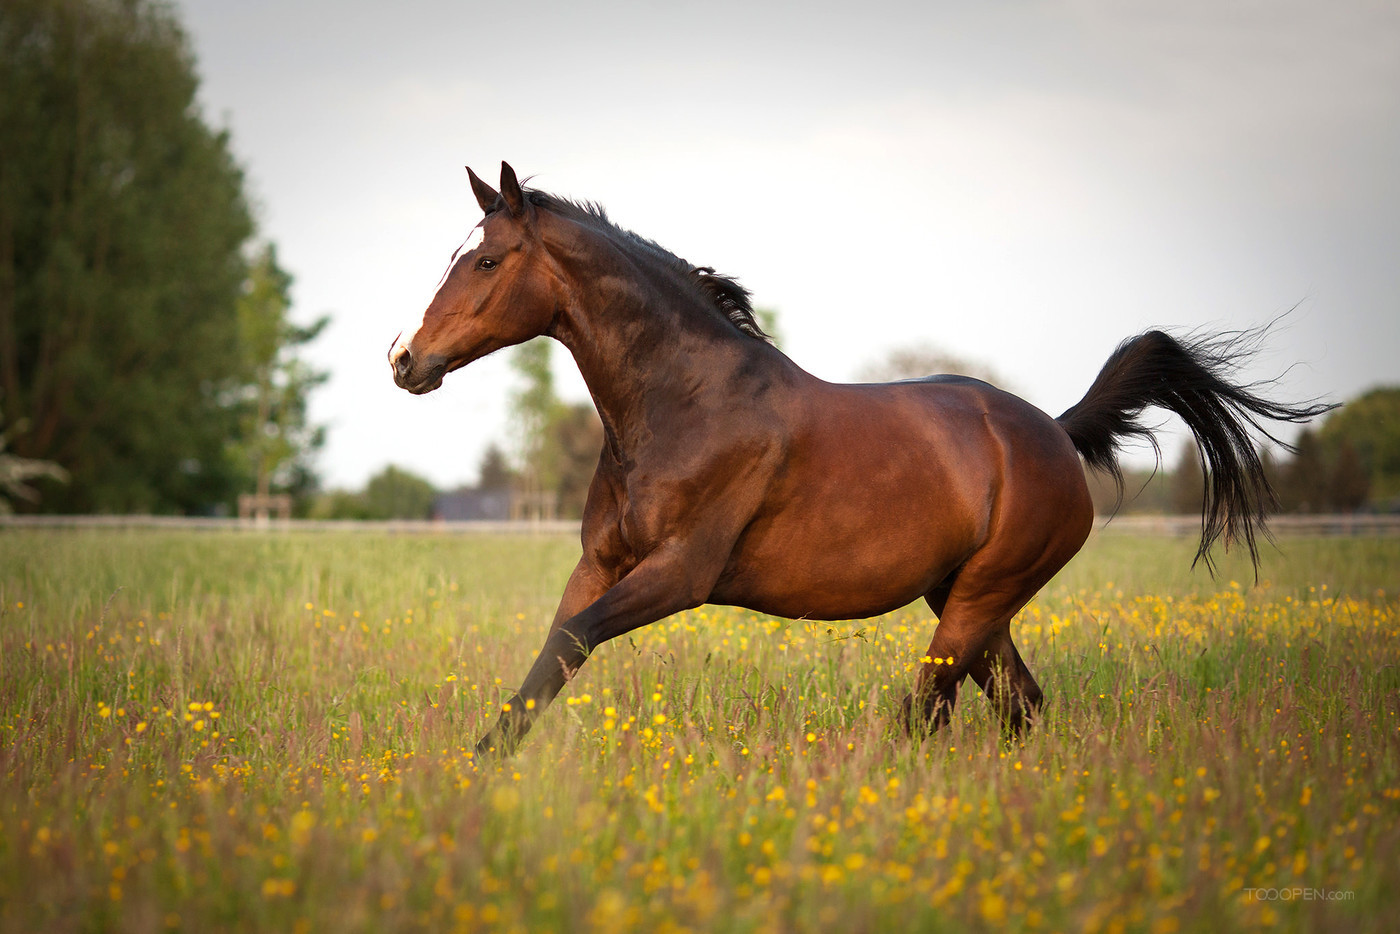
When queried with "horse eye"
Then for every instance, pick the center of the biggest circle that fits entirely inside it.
(485, 263)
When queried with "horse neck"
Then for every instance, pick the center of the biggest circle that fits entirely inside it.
(643, 337)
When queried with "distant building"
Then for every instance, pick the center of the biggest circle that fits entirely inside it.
(467, 505)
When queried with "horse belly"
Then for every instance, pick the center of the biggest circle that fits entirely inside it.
(842, 549)
(825, 598)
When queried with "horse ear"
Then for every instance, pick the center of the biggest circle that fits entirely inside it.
(510, 190)
(485, 194)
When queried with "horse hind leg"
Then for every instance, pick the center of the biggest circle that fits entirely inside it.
(973, 637)
(930, 706)
(1007, 682)
(965, 628)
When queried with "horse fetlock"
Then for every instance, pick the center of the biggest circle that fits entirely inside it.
(515, 721)
(926, 711)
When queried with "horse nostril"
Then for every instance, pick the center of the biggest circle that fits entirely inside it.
(402, 361)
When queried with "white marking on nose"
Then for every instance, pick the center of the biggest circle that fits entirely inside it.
(400, 346)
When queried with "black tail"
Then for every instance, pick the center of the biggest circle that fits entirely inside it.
(1188, 377)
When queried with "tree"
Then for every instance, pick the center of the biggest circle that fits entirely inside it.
(275, 441)
(768, 320)
(922, 359)
(1370, 425)
(559, 443)
(1349, 487)
(1188, 492)
(534, 406)
(494, 473)
(1145, 491)
(122, 228)
(1303, 480)
(340, 504)
(576, 438)
(1273, 468)
(395, 493)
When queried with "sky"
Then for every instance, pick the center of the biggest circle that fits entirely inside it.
(1024, 184)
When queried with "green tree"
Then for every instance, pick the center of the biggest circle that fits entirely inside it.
(1370, 425)
(494, 473)
(534, 406)
(339, 504)
(122, 229)
(768, 320)
(558, 443)
(576, 438)
(275, 441)
(1349, 486)
(1145, 491)
(1304, 478)
(395, 493)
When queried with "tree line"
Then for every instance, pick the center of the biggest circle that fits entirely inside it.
(1348, 463)
(148, 358)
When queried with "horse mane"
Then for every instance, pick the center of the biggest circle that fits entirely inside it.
(723, 292)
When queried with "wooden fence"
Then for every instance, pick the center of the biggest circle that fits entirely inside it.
(1182, 526)
(265, 523)
(1316, 525)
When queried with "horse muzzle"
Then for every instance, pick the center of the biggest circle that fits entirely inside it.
(417, 375)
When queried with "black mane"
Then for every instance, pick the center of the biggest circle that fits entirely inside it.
(724, 292)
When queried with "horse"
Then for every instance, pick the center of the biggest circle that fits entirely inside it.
(729, 475)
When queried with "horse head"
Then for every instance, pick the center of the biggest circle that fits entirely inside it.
(498, 290)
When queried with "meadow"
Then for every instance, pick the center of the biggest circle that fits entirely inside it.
(217, 731)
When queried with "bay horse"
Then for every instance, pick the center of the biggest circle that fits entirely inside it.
(729, 475)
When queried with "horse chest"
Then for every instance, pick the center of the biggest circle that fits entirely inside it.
(633, 513)
(621, 524)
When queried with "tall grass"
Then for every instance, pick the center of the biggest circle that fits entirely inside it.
(270, 732)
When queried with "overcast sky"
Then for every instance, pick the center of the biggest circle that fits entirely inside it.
(1024, 184)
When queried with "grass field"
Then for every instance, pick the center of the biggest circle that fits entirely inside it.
(218, 731)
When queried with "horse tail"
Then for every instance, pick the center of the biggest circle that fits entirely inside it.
(1191, 377)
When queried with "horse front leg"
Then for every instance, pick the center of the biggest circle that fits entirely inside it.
(585, 587)
(665, 582)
